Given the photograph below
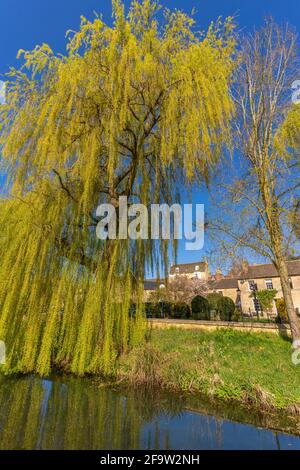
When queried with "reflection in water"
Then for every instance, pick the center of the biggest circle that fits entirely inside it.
(75, 414)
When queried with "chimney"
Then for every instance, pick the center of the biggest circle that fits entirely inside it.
(245, 266)
(218, 274)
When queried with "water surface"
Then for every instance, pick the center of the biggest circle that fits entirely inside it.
(69, 413)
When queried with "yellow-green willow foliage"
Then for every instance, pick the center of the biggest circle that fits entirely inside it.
(131, 110)
(288, 135)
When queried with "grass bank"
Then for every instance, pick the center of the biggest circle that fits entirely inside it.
(252, 369)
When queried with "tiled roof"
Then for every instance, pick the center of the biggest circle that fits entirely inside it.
(255, 271)
(187, 268)
(225, 283)
(150, 284)
(268, 270)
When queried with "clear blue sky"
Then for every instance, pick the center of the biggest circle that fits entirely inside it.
(26, 23)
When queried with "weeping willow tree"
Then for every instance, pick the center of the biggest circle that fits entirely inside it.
(133, 109)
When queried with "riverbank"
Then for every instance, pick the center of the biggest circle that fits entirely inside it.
(63, 412)
(253, 370)
(244, 376)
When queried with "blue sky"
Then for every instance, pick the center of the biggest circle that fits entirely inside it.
(26, 23)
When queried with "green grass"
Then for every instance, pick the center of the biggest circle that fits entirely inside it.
(254, 369)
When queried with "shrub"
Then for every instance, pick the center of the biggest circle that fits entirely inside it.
(165, 309)
(151, 310)
(146, 366)
(237, 315)
(158, 309)
(266, 298)
(213, 301)
(180, 310)
(226, 308)
(200, 308)
(282, 313)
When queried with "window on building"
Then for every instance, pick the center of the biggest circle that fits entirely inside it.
(291, 283)
(220, 292)
(269, 284)
(251, 285)
(256, 305)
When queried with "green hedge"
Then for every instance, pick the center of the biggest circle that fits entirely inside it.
(180, 310)
(165, 308)
(200, 308)
(151, 310)
(213, 300)
(223, 306)
(158, 310)
(226, 308)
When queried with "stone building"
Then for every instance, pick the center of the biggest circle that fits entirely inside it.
(240, 287)
(265, 276)
(199, 270)
(196, 270)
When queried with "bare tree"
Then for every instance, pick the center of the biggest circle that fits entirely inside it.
(262, 195)
(181, 289)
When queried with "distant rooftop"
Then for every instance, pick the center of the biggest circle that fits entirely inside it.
(255, 271)
(187, 268)
(268, 270)
(150, 284)
(224, 283)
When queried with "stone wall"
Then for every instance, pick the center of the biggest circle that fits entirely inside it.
(282, 330)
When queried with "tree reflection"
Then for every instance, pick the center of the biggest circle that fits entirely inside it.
(74, 414)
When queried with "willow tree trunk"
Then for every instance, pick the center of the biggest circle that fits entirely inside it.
(288, 299)
(276, 237)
